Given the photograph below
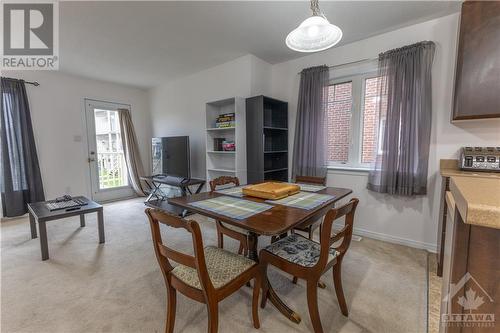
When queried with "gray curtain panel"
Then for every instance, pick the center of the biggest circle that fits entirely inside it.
(131, 150)
(20, 179)
(403, 152)
(309, 149)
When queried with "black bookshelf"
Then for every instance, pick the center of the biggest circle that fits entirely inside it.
(267, 139)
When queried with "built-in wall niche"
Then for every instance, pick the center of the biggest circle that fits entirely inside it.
(220, 161)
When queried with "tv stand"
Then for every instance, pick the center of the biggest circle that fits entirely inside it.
(157, 199)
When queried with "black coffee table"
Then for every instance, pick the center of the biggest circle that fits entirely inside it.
(39, 213)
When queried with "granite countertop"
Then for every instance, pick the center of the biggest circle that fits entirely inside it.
(477, 199)
(449, 168)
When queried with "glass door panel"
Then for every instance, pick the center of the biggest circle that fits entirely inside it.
(108, 170)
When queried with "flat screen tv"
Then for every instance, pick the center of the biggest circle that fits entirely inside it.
(171, 156)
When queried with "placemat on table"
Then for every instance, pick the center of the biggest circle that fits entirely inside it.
(232, 207)
(232, 191)
(310, 187)
(304, 200)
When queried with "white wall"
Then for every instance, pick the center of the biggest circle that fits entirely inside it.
(411, 221)
(178, 107)
(57, 112)
(260, 77)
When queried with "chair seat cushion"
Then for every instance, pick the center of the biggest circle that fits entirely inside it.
(299, 250)
(223, 267)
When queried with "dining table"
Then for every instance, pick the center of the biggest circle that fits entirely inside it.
(275, 222)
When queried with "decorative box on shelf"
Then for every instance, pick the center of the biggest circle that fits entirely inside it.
(228, 145)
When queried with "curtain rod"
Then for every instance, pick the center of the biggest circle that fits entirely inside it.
(34, 83)
(350, 63)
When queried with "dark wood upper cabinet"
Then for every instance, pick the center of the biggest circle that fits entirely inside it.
(477, 85)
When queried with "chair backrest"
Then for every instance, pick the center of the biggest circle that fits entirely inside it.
(223, 180)
(164, 253)
(311, 180)
(345, 234)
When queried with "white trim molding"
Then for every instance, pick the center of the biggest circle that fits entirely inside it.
(392, 239)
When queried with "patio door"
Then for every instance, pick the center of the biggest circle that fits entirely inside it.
(108, 171)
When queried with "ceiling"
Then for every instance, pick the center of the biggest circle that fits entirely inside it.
(145, 44)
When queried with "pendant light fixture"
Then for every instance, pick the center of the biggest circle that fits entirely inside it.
(315, 33)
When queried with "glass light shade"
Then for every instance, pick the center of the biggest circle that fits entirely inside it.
(313, 35)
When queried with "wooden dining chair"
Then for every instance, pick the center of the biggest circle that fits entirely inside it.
(309, 260)
(208, 277)
(230, 231)
(310, 228)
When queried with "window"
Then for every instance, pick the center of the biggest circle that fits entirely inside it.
(339, 109)
(353, 120)
(110, 156)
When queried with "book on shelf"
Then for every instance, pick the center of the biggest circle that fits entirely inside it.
(227, 124)
(225, 120)
(226, 117)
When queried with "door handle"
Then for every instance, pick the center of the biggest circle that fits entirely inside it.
(91, 159)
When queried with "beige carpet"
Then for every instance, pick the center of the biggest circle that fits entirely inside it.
(118, 287)
(434, 294)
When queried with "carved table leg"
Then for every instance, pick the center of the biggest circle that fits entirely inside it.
(271, 294)
(253, 238)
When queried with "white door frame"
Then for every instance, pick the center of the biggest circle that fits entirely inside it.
(101, 195)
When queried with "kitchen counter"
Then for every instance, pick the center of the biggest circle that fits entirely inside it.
(477, 200)
(477, 193)
(449, 168)
(470, 255)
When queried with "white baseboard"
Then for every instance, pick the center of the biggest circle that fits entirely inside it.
(119, 199)
(393, 239)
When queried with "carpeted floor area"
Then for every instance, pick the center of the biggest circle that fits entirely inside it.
(434, 294)
(118, 287)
